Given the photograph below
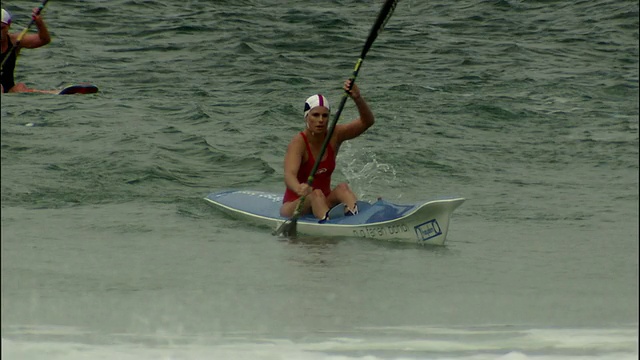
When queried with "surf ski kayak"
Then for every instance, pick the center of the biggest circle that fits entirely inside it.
(424, 222)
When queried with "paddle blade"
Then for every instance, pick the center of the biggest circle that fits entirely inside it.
(287, 229)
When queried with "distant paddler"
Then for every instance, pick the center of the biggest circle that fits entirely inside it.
(13, 43)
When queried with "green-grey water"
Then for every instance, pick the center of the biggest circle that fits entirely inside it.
(529, 110)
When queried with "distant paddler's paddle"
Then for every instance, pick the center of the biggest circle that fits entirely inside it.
(23, 33)
(289, 227)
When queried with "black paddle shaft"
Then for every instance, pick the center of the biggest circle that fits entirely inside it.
(383, 17)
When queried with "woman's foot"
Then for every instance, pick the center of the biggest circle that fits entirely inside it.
(352, 211)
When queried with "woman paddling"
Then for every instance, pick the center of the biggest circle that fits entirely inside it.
(11, 45)
(304, 148)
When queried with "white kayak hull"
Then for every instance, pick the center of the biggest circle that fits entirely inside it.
(425, 223)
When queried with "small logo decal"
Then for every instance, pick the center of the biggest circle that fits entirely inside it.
(428, 230)
(320, 171)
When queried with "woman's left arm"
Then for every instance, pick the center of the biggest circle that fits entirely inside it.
(32, 41)
(360, 124)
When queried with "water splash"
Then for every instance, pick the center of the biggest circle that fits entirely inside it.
(366, 175)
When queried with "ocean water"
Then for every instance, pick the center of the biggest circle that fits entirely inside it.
(528, 109)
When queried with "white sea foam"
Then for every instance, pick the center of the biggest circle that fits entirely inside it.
(372, 344)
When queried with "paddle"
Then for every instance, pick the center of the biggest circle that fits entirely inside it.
(289, 227)
(23, 33)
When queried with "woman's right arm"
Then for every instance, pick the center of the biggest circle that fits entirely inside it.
(292, 161)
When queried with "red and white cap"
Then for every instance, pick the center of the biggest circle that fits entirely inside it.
(315, 101)
(6, 17)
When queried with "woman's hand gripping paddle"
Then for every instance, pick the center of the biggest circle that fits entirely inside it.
(289, 227)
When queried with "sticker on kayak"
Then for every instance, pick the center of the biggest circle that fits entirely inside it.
(428, 230)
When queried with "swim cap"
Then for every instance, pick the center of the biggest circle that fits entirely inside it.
(6, 17)
(315, 101)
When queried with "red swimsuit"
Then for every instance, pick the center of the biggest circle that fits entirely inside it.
(322, 179)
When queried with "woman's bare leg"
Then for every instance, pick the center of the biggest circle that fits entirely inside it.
(343, 194)
(315, 202)
(21, 88)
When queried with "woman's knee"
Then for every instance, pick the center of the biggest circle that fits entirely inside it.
(343, 188)
(317, 194)
(19, 87)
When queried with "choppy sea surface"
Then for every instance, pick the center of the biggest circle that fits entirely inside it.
(528, 109)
